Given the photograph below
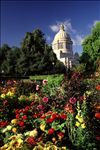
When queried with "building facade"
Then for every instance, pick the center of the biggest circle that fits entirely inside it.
(62, 47)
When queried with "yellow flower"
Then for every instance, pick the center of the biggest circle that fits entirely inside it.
(27, 133)
(9, 127)
(42, 127)
(88, 93)
(14, 130)
(3, 95)
(33, 133)
(14, 121)
(83, 125)
(77, 124)
(22, 97)
(10, 94)
(77, 116)
(80, 119)
(20, 141)
(4, 130)
(4, 147)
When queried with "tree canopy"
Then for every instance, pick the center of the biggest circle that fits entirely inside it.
(91, 49)
(34, 56)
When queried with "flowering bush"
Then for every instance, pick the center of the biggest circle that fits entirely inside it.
(43, 115)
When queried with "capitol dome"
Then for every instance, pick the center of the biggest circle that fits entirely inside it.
(62, 46)
(61, 35)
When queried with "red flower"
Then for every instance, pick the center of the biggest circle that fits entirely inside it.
(24, 117)
(31, 140)
(21, 123)
(72, 100)
(97, 115)
(5, 102)
(48, 113)
(55, 115)
(3, 123)
(63, 116)
(17, 116)
(51, 131)
(49, 120)
(42, 117)
(60, 135)
(45, 99)
(17, 111)
(98, 87)
(27, 108)
(98, 138)
(35, 115)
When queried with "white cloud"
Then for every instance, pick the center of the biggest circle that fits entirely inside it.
(95, 21)
(54, 28)
(78, 39)
(67, 24)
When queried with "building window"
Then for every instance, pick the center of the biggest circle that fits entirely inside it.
(60, 45)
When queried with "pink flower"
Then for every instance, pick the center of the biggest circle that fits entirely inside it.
(40, 107)
(44, 82)
(37, 87)
(45, 99)
(72, 100)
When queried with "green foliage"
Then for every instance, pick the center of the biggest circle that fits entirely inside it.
(42, 77)
(34, 57)
(53, 116)
(53, 83)
(91, 50)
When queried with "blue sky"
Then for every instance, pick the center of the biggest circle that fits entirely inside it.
(18, 17)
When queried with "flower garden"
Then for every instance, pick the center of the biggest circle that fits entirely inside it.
(59, 113)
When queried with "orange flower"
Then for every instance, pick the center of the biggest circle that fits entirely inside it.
(14, 130)
(98, 87)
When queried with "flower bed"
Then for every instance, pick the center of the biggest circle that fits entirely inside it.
(49, 115)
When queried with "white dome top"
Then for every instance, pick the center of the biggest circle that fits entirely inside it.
(61, 35)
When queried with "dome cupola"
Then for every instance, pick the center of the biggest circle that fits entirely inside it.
(62, 35)
(62, 46)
